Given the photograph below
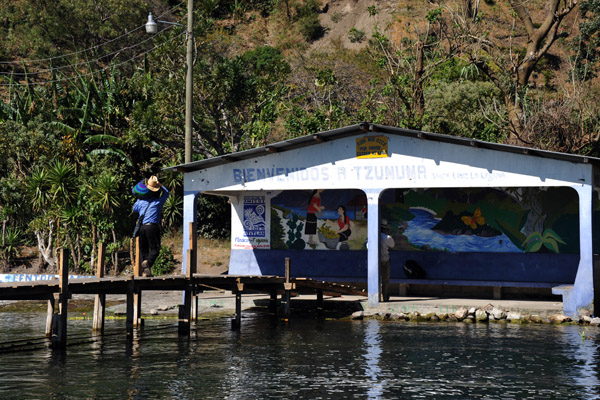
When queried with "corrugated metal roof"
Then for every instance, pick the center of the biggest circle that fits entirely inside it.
(365, 127)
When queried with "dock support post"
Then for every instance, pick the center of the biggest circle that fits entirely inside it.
(320, 301)
(100, 299)
(287, 286)
(129, 318)
(186, 310)
(236, 323)
(137, 295)
(273, 302)
(50, 316)
(192, 267)
(60, 339)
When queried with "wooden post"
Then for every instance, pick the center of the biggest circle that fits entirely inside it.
(130, 307)
(236, 323)
(320, 301)
(137, 265)
(285, 299)
(192, 268)
(100, 299)
(51, 301)
(60, 339)
(273, 302)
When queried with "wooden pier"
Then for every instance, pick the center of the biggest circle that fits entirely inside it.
(60, 291)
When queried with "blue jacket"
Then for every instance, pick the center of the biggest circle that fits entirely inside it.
(151, 208)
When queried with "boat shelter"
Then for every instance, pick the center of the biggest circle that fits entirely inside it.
(468, 212)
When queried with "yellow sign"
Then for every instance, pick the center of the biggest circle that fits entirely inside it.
(372, 147)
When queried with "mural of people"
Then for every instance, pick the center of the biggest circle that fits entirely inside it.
(344, 230)
(314, 208)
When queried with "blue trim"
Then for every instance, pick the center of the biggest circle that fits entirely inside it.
(351, 265)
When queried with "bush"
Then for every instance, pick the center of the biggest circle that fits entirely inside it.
(165, 262)
(310, 27)
(356, 36)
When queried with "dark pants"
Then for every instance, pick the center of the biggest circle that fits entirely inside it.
(384, 278)
(149, 242)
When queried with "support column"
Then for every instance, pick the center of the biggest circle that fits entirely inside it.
(50, 316)
(236, 323)
(100, 299)
(192, 261)
(60, 339)
(581, 294)
(287, 286)
(273, 302)
(320, 302)
(137, 294)
(130, 307)
(373, 250)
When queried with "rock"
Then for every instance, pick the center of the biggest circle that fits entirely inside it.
(472, 311)
(443, 316)
(595, 321)
(414, 316)
(513, 316)
(488, 308)
(461, 313)
(586, 319)
(154, 312)
(481, 315)
(559, 319)
(430, 316)
(536, 319)
(584, 312)
(358, 315)
(498, 313)
(434, 318)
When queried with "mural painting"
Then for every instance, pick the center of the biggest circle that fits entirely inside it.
(319, 220)
(517, 220)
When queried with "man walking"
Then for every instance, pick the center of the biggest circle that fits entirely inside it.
(151, 199)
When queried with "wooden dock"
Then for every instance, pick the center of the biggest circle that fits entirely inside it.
(60, 291)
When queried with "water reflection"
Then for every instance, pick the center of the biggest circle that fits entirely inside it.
(372, 355)
(310, 359)
(582, 344)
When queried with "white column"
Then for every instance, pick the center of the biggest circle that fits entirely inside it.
(582, 293)
(373, 251)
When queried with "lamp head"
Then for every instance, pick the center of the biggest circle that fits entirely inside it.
(151, 25)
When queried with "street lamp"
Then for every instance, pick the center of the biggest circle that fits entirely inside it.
(151, 27)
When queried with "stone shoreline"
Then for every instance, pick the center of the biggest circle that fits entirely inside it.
(486, 314)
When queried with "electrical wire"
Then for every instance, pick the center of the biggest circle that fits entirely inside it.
(110, 66)
(88, 49)
(50, 70)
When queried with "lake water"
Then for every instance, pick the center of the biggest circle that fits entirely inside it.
(306, 358)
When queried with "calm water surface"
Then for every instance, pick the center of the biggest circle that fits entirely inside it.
(307, 358)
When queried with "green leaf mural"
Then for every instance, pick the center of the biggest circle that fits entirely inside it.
(548, 239)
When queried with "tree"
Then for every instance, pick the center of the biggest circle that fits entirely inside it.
(507, 45)
(408, 64)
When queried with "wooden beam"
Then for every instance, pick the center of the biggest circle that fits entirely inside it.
(50, 316)
(99, 299)
(285, 299)
(137, 294)
(60, 339)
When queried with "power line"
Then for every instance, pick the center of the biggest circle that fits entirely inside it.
(96, 71)
(88, 49)
(50, 70)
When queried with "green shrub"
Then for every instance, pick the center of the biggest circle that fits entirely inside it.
(356, 36)
(10, 248)
(310, 27)
(165, 262)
